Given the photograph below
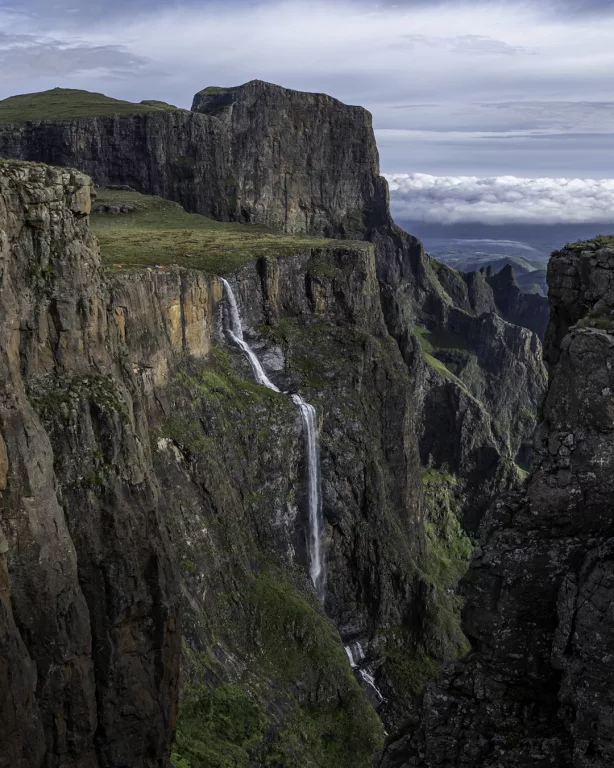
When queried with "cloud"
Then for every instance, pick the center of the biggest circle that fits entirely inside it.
(23, 55)
(501, 199)
(442, 73)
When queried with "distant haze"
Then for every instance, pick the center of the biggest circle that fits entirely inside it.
(533, 242)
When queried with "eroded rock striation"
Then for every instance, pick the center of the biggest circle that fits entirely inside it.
(536, 689)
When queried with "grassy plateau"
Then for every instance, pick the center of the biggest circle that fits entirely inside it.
(69, 103)
(138, 231)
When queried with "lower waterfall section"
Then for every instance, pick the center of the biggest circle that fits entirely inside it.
(357, 659)
(317, 568)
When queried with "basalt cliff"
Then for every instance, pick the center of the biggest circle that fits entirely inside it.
(154, 527)
(536, 690)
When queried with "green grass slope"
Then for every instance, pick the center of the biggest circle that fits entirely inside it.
(137, 230)
(68, 103)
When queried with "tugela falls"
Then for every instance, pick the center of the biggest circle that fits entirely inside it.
(151, 610)
(317, 564)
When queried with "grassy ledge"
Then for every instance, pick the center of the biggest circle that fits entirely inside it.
(69, 103)
(138, 231)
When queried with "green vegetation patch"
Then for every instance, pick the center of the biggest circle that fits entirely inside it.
(599, 318)
(138, 231)
(56, 397)
(448, 553)
(297, 705)
(594, 244)
(410, 668)
(433, 340)
(219, 729)
(213, 89)
(437, 342)
(69, 103)
(449, 549)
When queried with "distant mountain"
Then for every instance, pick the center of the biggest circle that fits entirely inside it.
(471, 246)
(532, 282)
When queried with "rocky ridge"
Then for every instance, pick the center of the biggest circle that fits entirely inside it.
(137, 417)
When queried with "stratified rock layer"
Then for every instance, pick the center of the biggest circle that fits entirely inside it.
(537, 689)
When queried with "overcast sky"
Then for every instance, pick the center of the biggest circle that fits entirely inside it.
(457, 89)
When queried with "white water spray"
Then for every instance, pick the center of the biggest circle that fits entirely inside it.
(356, 656)
(317, 570)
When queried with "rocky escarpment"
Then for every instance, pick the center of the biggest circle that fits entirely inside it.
(305, 162)
(536, 689)
(318, 171)
(176, 154)
(153, 495)
(402, 357)
(527, 309)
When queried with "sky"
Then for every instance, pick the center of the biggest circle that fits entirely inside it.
(459, 90)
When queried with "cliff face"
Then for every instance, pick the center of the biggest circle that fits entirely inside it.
(146, 475)
(536, 691)
(424, 392)
(306, 162)
(527, 309)
(89, 641)
(303, 162)
(176, 154)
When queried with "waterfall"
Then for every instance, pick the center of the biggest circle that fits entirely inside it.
(356, 656)
(317, 570)
(235, 331)
(314, 544)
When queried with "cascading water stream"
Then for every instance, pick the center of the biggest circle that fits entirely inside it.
(356, 656)
(317, 570)
(316, 561)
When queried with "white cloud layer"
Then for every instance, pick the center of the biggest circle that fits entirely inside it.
(501, 199)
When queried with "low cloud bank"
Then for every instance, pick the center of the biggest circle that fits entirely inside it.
(500, 199)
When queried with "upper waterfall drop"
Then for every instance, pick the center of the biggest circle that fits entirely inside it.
(235, 331)
(317, 569)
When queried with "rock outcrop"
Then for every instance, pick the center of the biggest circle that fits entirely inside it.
(426, 396)
(140, 460)
(536, 689)
(527, 309)
(303, 162)
(175, 154)
(89, 640)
